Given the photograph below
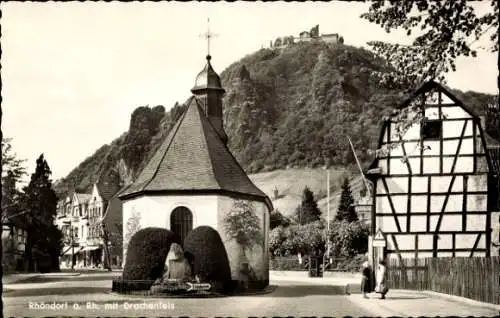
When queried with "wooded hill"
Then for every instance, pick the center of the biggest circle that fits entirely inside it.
(283, 108)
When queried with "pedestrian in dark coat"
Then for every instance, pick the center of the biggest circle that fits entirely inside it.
(366, 279)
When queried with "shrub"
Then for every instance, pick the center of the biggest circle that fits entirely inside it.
(211, 264)
(348, 238)
(146, 253)
(276, 219)
(276, 238)
(304, 239)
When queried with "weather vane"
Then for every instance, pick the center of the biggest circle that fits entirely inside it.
(208, 35)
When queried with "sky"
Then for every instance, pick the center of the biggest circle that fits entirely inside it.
(72, 73)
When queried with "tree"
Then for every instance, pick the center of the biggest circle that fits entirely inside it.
(277, 42)
(40, 203)
(277, 219)
(242, 224)
(10, 197)
(12, 172)
(305, 239)
(348, 238)
(448, 30)
(308, 210)
(346, 210)
(9, 161)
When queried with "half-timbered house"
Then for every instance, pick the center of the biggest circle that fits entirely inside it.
(434, 183)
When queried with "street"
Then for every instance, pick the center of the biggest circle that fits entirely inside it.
(89, 295)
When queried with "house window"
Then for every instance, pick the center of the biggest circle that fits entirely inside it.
(432, 129)
(181, 222)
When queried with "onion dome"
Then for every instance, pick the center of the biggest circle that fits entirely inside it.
(207, 79)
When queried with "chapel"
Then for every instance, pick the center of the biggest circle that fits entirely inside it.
(193, 180)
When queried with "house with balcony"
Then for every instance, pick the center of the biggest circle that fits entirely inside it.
(80, 217)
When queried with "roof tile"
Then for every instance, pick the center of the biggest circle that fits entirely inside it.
(193, 157)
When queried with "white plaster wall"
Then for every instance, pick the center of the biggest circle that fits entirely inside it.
(478, 183)
(405, 242)
(207, 210)
(451, 112)
(419, 184)
(155, 211)
(258, 255)
(397, 184)
(398, 166)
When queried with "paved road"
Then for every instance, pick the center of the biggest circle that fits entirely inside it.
(289, 298)
(89, 295)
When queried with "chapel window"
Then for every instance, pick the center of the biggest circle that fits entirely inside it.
(181, 222)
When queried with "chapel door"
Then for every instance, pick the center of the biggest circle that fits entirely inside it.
(181, 222)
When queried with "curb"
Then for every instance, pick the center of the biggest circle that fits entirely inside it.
(62, 274)
(18, 279)
(269, 289)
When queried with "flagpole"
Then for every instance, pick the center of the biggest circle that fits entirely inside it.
(359, 166)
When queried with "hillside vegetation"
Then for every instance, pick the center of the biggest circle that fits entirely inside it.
(283, 109)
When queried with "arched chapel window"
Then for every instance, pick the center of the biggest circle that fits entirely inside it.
(181, 222)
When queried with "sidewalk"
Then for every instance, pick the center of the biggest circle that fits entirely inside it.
(417, 303)
(398, 302)
(14, 278)
(332, 278)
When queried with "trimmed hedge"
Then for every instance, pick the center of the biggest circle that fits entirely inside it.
(146, 254)
(205, 248)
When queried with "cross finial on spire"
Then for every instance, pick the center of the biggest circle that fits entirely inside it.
(208, 35)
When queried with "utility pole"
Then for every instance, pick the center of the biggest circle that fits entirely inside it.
(328, 199)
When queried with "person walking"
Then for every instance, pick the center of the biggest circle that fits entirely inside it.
(366, 279)
(381, 278)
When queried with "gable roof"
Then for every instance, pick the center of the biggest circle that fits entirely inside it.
(429, 85)
(83, 197)
(193, 158)
(423, 88)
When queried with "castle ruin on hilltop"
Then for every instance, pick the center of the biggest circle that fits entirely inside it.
(306, 36)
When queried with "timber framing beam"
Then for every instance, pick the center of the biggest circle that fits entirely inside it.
(393, 210)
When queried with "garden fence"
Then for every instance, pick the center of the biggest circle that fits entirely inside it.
(476, 278)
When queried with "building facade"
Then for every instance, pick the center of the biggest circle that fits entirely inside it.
(80, 217)
(194, 180)
(433, 183)
(13, 245)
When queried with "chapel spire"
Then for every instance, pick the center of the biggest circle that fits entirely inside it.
(209, 91)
